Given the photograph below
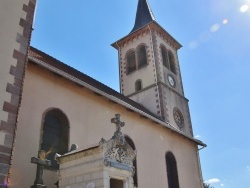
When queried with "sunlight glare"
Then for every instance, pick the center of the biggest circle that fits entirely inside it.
(244, 8)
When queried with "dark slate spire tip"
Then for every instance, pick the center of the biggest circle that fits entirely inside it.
(144, 15)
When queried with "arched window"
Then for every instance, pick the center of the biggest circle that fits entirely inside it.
(131, 143)
(164, 54)
(138, 85)
(131, 61)
(142, 56)
(55, 137)
(136, 60)
(171, 62)
(172, 173)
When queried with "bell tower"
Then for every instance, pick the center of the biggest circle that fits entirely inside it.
(150, 72)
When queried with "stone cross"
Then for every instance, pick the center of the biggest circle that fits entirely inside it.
(40, 161)
(116, 120)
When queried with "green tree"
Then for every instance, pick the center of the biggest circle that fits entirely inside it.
(205, 185)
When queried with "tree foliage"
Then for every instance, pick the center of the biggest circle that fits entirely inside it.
(205, 185)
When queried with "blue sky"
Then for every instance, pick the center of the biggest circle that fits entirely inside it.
(214, 60)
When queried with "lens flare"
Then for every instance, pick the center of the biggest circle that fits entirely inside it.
(215, 28)
(225, 21)
(193, 44)
(5, 182)
(205, 36)
(244, 8)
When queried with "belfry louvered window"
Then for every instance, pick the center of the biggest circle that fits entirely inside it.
(168, 59)
(136, 59)
(131, 61)
(142, 56)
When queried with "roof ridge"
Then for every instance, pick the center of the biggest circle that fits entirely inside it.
(62, 63)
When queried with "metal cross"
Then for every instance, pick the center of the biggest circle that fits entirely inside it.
(40, 161)
(116, 120)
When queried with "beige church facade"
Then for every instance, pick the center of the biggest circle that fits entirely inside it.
(61, 106)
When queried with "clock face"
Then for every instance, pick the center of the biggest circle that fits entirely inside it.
(178, 117)
(171, 81)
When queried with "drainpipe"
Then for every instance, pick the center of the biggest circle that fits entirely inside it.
(199, 164)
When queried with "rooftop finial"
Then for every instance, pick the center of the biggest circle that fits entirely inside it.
(144, 15)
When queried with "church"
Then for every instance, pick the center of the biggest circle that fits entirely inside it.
(87, 134)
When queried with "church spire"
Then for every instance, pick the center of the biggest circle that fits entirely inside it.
(144, 15)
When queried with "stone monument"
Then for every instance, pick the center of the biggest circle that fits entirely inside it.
(108, 164)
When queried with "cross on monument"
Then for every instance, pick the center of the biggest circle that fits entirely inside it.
(119, 124)
(118, 136)
(40, 161)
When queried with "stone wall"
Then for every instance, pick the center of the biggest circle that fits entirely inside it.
(16, 18)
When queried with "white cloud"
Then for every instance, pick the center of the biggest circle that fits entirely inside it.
(222, 185)
(197, 136)
(213, 180)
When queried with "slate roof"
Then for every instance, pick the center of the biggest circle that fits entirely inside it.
(40, 57)
(144, 15)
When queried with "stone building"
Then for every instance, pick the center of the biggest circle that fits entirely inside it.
(61, 106)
